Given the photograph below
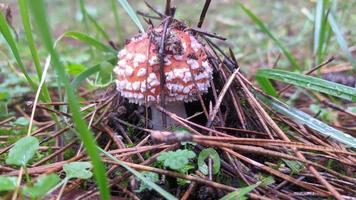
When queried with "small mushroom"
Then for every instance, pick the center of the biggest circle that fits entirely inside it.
(186, 68)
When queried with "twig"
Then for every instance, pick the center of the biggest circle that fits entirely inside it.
(154, 10)
(167, 11)
(161, 56)
(203, 13)
(190, 189)
(220, 98)
(202, 32)
(6, 120)
(281, 134)
(148, 16)
(338, 108)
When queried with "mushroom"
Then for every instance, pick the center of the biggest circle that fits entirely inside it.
(186, 70)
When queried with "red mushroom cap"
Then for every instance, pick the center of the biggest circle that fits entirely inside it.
(185, 61)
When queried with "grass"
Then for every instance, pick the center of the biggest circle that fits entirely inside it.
(39, 14)
(256, 34)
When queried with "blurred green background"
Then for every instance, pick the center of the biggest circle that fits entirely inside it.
(292, 22)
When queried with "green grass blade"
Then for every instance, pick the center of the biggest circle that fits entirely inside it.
(31, 44)
(310, 82)
(264, 29)
(5, 31)
(89, 40)
(321, 30)
(132, 14)
(340, 39)
(117, 20)
(153, 185)
(84, 15)
(308, 120)
(266, 86)
(318, 22)
(88, 72)
(39, 13)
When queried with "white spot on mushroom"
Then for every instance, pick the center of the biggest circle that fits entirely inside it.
(117, 85)
(128, 86)
(131, 95)
(207, 67)
(177, 88)
(153, 90)
(193, 63)
(167, 61)
(124, 93)
(184, 45)
(143, 87)
(201, 76)
(151, 76)
(178, 57)
(121, 84)
(187, 77)
(202, 86)
(179, 73)
(122, 63)
(152, 80)
(119, 71)
(129, 56)
(154, 83)
(140, 58)
(153, 60)
(141, 72)
(169, 86)
(169, 76)
(136, 85)
(187, 89)
(140, 96)
(128, 70)
(122, 53)
(194, 44)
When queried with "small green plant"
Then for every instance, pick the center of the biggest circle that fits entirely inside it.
(48, 183)
(154, 177)
(78, 170)
(42, 186)
(177, 160)
(7, 183)
(23, 151)
(203, 155)
(295, 166)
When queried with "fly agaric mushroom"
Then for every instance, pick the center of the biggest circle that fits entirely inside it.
(186, 70)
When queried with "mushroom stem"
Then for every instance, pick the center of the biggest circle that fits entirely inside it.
(174, 107)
